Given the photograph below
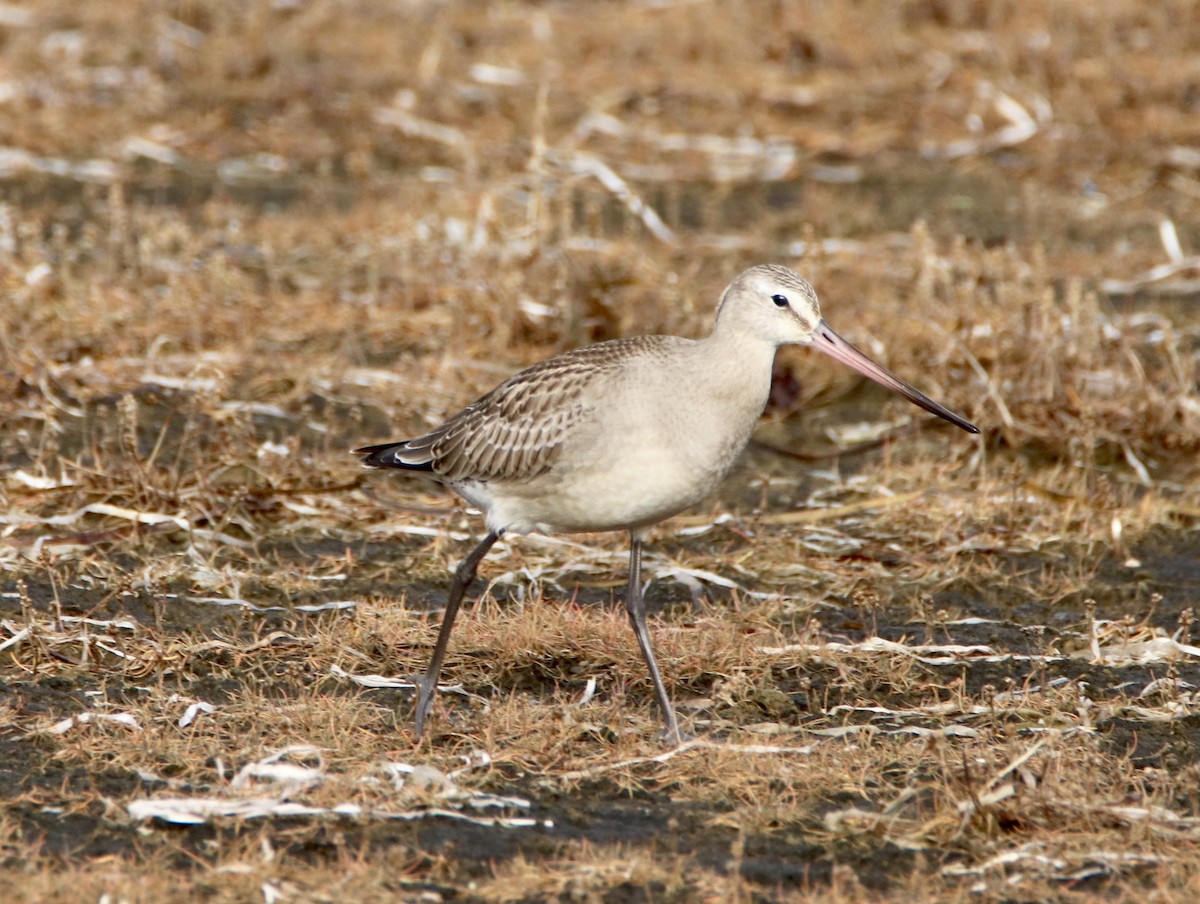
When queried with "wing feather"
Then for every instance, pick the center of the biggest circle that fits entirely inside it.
(517, 431)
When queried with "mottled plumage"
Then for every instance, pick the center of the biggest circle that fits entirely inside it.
(623, 434)
(516, 431)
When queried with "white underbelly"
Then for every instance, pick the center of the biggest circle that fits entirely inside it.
(623, 492)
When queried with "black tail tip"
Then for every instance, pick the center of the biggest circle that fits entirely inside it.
(374, 456)
(384, 456)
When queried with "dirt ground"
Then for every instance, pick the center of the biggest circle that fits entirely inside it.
(239, 239)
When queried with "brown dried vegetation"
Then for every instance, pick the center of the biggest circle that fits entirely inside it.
(238, 238)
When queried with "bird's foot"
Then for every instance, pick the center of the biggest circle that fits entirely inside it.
(674, 736)
(426, 691)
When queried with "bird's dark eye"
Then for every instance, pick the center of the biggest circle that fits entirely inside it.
(780, 301)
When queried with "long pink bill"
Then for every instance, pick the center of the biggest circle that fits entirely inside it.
(838, 348)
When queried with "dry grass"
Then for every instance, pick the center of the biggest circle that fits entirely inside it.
(240, 238)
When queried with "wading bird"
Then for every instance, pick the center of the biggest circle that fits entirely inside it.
(622, 434)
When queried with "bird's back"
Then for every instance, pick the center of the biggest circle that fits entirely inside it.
(518, 430)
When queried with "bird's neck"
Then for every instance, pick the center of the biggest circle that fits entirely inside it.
(738, 368)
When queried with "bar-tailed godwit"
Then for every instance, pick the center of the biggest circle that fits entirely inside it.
(620, 435)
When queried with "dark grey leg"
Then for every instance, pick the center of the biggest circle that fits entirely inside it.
(635, 605)
(463, 576)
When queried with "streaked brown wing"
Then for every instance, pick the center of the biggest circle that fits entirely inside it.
(516, 431)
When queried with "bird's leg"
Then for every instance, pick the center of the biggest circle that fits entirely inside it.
(463, 576)
(635, 605)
